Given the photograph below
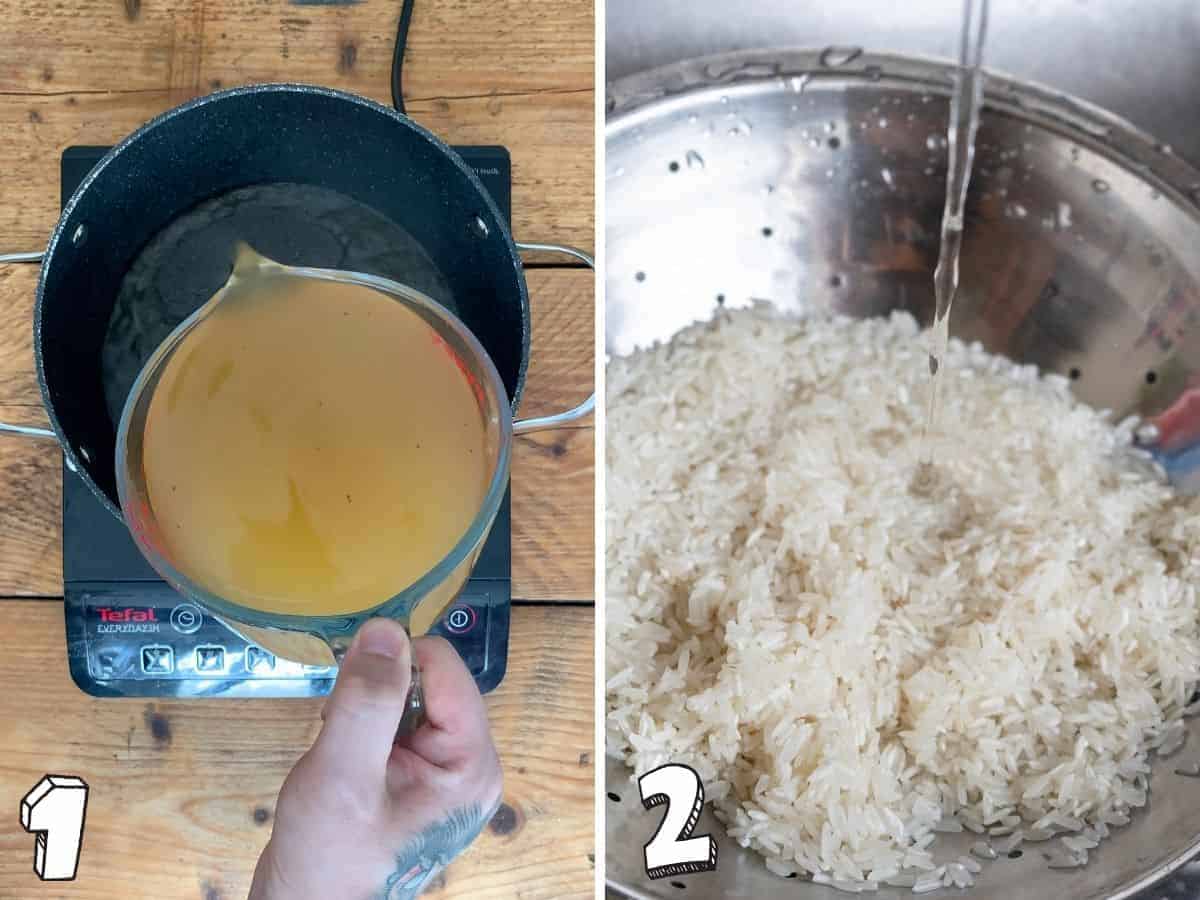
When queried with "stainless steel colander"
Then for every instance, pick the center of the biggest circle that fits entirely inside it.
(815, 180)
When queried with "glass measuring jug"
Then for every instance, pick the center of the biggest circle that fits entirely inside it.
(275, 622)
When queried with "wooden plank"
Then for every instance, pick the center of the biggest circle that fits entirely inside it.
(553, 511)
(511, 73)
(183, 792)
(552, 514)
(18, 377)
(30, 510)
(455, 47)
(562, 361)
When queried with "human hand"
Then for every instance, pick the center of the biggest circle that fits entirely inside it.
(363, 818)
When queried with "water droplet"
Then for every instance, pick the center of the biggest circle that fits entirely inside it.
(724, 72)
(693, 118)
(1165, 149)
(479, 227)
(1154, 195)
(1015, 211)
(769, 189)
(620, 170)
(1100, 186)
(830, 127)
(886, 175)
(798, 83)
(911, 117)
(925, 98)
(832, 57)
(829, 173)
(873, 72)
(929, 170)
(933, 364)
(694, 160)
(1074, 154)
(795, 108)
(814, 142)
(1064, 216)
(724, 99)
(935, 142)
(882, 122)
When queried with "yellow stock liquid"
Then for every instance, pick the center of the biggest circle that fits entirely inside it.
(313, 448)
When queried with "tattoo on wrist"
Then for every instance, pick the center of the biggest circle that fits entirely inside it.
(431, 850)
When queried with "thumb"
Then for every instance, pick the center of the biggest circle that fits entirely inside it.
(368, 700)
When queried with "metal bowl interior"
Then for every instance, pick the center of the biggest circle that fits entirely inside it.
(816, 182)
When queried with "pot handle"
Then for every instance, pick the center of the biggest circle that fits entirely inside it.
(523, 426)
(24, 430)
(27, 431)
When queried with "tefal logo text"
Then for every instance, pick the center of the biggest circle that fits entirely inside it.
(108, 614)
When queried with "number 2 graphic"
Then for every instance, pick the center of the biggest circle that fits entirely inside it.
(54, 811)
(673, 850)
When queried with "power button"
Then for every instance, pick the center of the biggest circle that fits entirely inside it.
(460, 620)
(187, 618)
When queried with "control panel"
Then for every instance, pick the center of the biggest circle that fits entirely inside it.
(143, 639)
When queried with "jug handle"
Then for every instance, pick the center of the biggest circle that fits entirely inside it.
(414, 706)
(25, 430)
(524, 426)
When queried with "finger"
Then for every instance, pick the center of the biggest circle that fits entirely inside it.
(456, 727)
(368, 700)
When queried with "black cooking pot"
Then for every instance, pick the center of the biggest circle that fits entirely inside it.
(252, 136)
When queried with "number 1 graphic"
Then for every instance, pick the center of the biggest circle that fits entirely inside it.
(54, 812)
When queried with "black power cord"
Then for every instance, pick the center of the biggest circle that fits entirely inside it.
(406, 9)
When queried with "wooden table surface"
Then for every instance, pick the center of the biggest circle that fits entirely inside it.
(183, 792)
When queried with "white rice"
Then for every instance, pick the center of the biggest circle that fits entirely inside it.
(850, 665)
